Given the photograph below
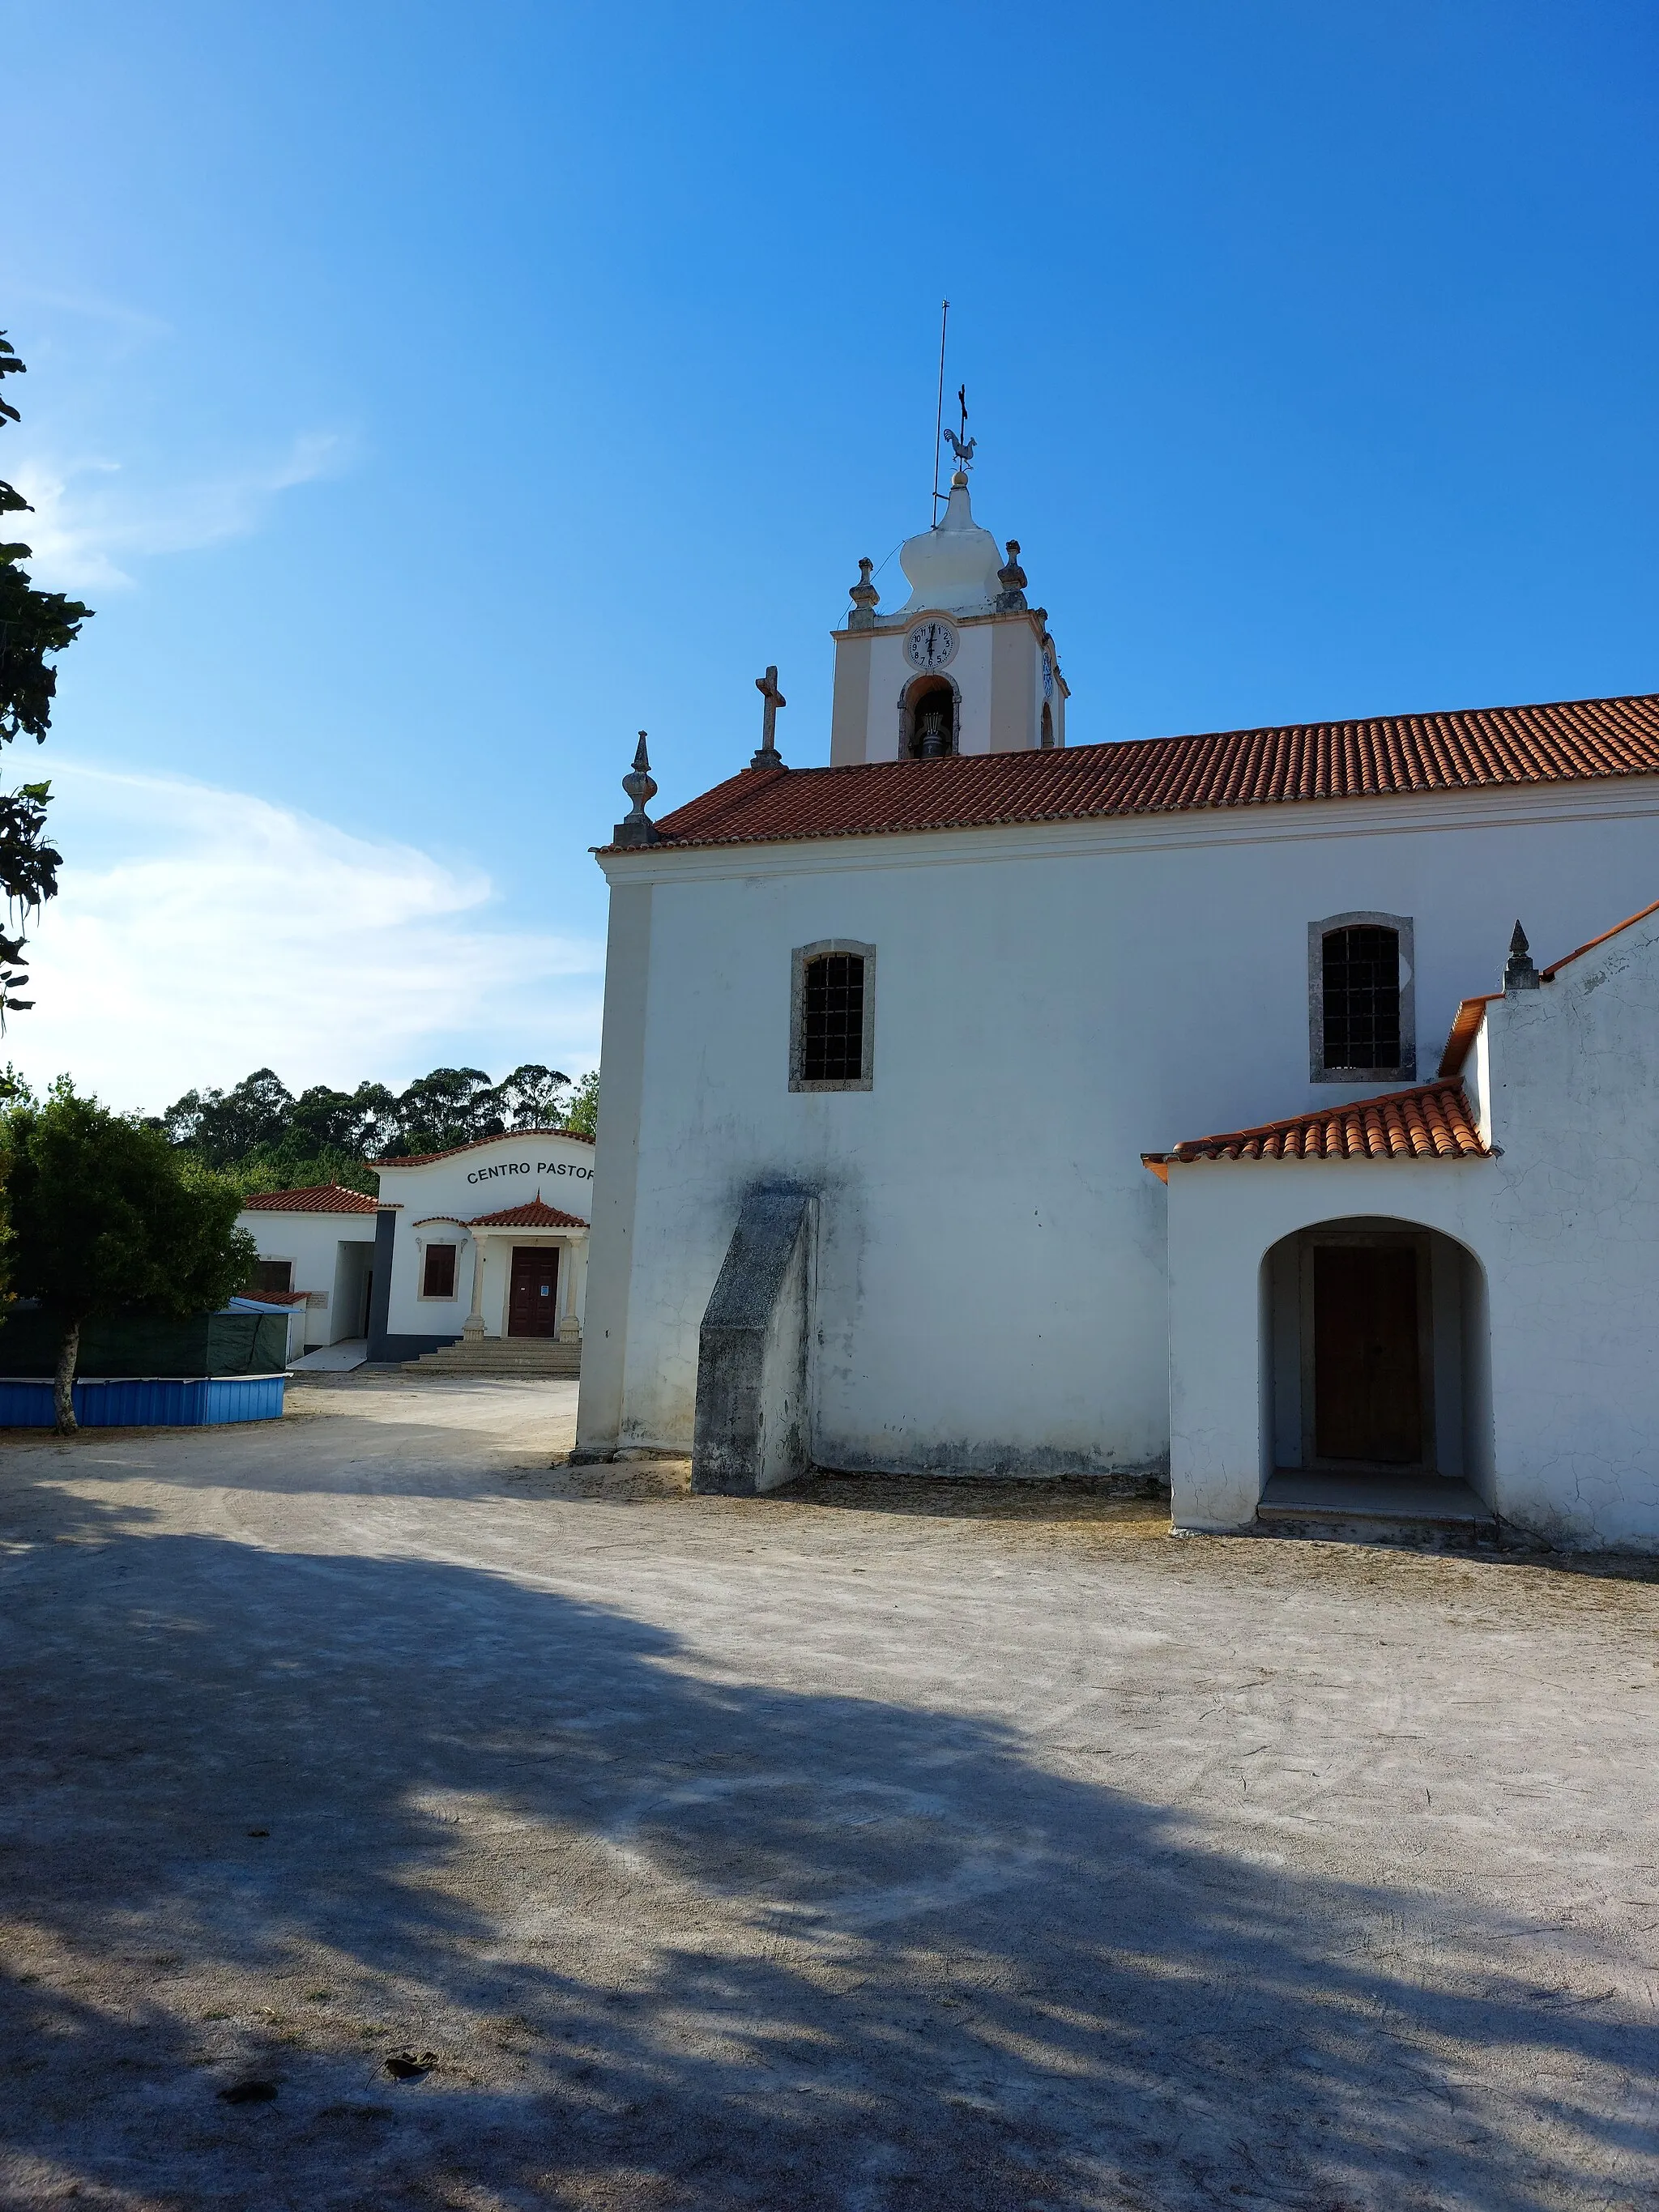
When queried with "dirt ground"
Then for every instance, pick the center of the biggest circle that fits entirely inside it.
(890, 1848)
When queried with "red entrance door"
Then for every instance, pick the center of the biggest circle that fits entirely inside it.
(532, 1301)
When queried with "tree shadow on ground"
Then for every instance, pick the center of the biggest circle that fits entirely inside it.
(680, 1940)
(410, 1456)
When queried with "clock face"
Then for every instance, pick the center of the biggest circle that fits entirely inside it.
(930, 644)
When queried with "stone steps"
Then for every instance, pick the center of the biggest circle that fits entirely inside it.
(501, 1356)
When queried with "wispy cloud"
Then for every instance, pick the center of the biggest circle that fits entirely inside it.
(214, 932)
(90, 516)
(126, 328)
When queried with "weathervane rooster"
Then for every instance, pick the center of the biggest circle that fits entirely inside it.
(961, 446)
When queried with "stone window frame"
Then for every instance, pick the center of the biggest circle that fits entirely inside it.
(428, 1246)
(1317, 932)
(865, 1079)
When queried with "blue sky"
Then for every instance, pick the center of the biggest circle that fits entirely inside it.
(427, 397)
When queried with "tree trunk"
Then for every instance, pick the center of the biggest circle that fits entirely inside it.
(63, 1392)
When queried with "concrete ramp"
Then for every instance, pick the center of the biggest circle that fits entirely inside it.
(753, 1422)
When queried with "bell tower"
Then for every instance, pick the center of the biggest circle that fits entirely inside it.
(964, 666)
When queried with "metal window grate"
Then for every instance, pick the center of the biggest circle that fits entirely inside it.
(439, 1279)
(1362, 998)
(832, 1022)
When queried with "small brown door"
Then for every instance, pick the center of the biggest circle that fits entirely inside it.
(532, 1300)
(1368, 1390)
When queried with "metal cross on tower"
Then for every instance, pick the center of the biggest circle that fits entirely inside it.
(767, 685)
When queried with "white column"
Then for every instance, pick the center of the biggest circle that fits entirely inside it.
(472, 1328)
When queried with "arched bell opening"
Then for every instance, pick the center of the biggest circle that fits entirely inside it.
(930, 719)
(1047, 739)
(1376, 1361)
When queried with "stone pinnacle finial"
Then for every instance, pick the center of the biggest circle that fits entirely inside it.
(1519, 973)
(865, 597)
(641, 786)
(767, 685)
(1011, 598)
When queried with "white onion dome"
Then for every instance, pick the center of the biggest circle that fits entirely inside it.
(954, 566)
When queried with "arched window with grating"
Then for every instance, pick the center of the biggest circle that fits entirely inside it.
(832, 1007)
(1361, 999)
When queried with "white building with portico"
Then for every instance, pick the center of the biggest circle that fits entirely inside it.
(489, 1241)
(484, 1243)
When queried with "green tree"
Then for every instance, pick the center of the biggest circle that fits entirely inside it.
(450, 1107)
(107, 1219)
(221, 1126)
(581, 1115)
(34, 626)
(526, 1099)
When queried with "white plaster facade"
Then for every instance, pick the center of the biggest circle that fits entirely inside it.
(1558, 1423)
(993, 1278)
(330, 1252)
(448, 1199)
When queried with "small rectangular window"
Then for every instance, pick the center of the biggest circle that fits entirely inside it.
(272, 1275)
(1361, 999)
(832, 1008)
(438, 1277)
(832, 1026)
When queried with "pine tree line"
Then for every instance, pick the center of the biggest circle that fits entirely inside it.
(260, 1131)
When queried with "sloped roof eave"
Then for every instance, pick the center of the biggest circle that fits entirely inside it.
(473, 1144)
(1431, 1122)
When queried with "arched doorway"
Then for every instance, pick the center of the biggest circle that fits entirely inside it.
(1375, 1364)
(930, 719)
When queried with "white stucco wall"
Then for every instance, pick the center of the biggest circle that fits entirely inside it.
(1564, 1224)
(481, 1179)
(314, 1241)
(1225, 1218)
(1051, 1002)
(1573, 1077)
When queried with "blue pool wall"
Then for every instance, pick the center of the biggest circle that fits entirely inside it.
(147, 1401)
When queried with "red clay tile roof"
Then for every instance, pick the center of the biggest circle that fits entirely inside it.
(509, 1137)
(534, 1215)
(1466, 1027)
(315, 1198)
(1464, 750)
(1431, 1122)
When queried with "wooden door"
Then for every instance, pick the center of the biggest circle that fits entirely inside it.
(532, 1299)
(1368, 1384)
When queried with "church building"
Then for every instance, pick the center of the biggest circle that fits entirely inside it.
(908, 1061)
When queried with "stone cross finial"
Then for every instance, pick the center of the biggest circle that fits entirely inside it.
(1519, 973)
(641, 787)
(767, 685)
